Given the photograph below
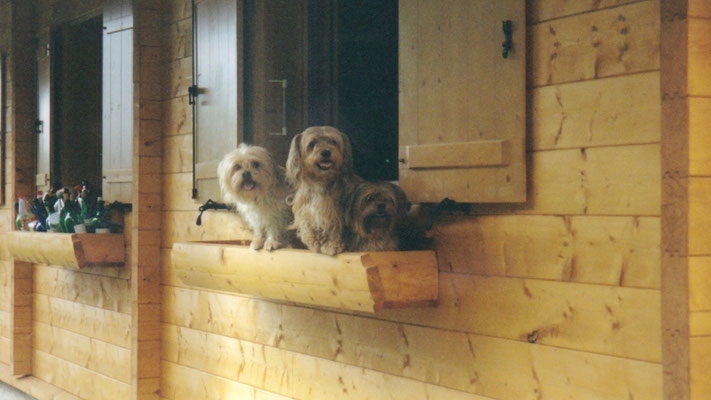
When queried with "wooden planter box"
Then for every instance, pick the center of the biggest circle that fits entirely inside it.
(352, 281)
(73, 250)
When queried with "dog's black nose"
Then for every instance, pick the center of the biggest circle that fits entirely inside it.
(326, 153)
(246, 175)
(381, 207)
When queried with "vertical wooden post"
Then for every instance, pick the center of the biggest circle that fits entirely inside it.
(21, 172)
(21, 322)
(146, 215)
(675, 199)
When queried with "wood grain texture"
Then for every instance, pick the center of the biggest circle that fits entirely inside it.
(604, 43)
(5, 324)
(541, 10)
(178, 118)
(596, 181)
(614, 321)
(96, 291)
(530, 369)
(604, 250)
(180, 382)
(5, 285)
(216, 225)
(613, 111)
(5, 353)
(366, 282)
(95, 355)
(104, 325)
(34, 386)
(77, 380)
(177, 154)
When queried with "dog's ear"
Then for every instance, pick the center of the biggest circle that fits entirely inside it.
(223, 177)
(347, 155)
(351, 207)
(401, 202)
(293, 161)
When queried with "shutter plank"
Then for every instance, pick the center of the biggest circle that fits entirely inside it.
(44, 116)
(117, 163)
(217, 103)
(453, 155)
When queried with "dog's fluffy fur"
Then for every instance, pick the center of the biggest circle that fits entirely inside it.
(255, 185)
(320, 168)
(374, 216)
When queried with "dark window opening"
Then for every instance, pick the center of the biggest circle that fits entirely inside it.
(77, 103)
(367, 65)
(339, 62)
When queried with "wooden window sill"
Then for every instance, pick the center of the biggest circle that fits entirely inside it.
(71, 250)
(367, 282)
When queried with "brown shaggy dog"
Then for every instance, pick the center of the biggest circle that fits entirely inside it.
(320, 168)
(375, 214)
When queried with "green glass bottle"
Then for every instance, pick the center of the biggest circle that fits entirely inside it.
(101, 221)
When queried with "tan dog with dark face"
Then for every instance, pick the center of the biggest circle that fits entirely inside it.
(374, 216)
(252, 182)
(320, 168)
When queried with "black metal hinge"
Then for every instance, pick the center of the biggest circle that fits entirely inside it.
(507, 44)
(192, 94)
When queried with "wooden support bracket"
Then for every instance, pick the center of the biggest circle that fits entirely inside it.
(366, 282)
(73, 250)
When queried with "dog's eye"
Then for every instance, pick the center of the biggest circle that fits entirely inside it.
(332, 142)
(255, 164)
(311, 145)
(238, 167)
(369, 198)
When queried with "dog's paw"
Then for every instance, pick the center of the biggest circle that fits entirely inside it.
(272, 244)
(257, 243)
(332, 248)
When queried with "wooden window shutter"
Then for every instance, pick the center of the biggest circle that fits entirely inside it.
(117, 101)
(462, 104)
(43, 125)
(217, 103)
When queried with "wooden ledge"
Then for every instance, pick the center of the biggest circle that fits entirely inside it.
(73, 250)
(366, 282)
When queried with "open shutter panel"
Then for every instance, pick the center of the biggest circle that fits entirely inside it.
(117, 97)
(217, 102)
(44, 115)
(462, 104)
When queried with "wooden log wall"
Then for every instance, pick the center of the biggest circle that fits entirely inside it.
(555, 298)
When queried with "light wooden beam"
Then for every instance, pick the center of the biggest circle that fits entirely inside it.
(353, 281)
(76, 250)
